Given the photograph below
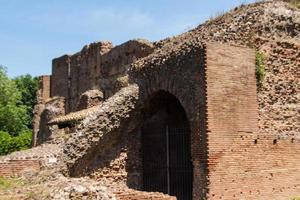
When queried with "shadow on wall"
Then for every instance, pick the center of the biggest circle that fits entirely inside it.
(119, 162)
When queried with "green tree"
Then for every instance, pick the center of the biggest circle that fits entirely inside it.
(13, 114)
(28, 86)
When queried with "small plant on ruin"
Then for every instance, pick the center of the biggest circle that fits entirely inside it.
(8, 183)
(296, 198)
(260, 68)
(295, 3)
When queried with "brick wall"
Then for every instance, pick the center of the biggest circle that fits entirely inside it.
(242, 163)
(60, 76)
(263, 168)
(44, 86)
(231, 158)
(43, 94)
(18, 167)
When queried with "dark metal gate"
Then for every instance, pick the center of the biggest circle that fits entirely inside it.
(166, 147)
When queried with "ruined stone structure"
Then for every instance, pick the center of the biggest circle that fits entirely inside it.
(181, 117)
(198, 97)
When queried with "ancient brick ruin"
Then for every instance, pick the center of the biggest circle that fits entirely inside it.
(179, 118)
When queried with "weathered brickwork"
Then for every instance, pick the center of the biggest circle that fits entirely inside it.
(13, 168)
(96, 66)
(242, 162)
(220, 99)
(256, 167)
(60, 76)
(244, 139)
(43, 94)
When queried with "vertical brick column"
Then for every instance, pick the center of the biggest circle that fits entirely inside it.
(232, 107)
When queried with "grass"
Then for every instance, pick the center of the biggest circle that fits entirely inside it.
(8, 183)
(260, 68)
(295, 3)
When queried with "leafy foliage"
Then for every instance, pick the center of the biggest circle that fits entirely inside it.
(17, 98)
(260, 68)
(28, 86)
(13, 115)
(10, 143)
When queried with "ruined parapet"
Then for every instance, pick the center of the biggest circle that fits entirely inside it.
(60, 76)
(116, 63)
(97, 66)
(92, 68)
(85, 70)
(43, 94)
(75, 74)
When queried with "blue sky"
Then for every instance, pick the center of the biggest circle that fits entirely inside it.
(33, 32)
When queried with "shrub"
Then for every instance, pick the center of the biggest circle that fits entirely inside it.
(10, 143)
(260, 68)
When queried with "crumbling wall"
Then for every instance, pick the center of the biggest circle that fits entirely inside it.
(89, 99)
(278, 97)
(54, 107)
(97, 66)
(42, 95)
(12, 168)
(101, 130)
(85, 71)
(120, 164)
(60, 76)
(216, 85)
(76, 78)
(100, 142)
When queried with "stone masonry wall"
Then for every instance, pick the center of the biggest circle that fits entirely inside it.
(121, 164)
(278, 96)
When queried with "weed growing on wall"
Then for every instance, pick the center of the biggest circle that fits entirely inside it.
(260, 68)
(295, 3)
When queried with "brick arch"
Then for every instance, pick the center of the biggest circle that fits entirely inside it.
(166, 138)
(186, 81)
(181, 87)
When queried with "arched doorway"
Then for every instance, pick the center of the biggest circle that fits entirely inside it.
(166, 148)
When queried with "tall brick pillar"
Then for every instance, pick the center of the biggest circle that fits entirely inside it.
(232, 108)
